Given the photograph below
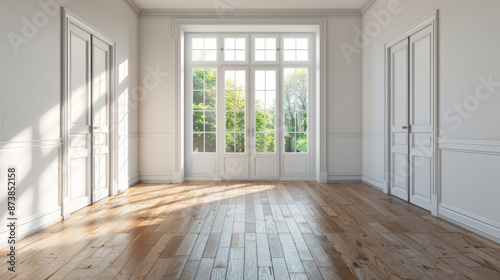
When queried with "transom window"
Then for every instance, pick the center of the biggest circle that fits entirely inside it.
(235, 49)
(204, 49)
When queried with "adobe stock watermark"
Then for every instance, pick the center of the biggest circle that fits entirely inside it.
(372, 29)
(460, 112)
(222, 6)
(149, 82)
(31, 26)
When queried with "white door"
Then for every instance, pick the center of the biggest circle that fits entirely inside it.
(399, 120)
(421, 118)
(79, 102)
(100, 119)
(235, 128)
(412, 95)
(264, 160)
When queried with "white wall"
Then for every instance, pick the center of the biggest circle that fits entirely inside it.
(469, 44)
(30, 99)
(157, 110)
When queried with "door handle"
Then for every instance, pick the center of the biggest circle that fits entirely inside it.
(96, 127)
(408, 127)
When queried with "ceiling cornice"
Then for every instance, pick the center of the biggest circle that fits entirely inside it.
(134, 6)
(251, 12)
(366, 6)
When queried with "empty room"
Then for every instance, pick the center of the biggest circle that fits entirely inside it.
(238, 139)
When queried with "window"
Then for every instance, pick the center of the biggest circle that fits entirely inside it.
(204, 110)
(265, 111)
(235, 111)
(296, 49)
(295, 103)
(235, 49)
(204, 49)
(265, 49)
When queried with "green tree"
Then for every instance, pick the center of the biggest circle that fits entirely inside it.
(295, 109)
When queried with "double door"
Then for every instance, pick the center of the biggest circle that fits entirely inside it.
(88, 104)
(411, 118)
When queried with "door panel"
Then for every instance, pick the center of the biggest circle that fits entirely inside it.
(421, 117)
(100, 114)
(399, 120)
(264, 137)
(79, 99)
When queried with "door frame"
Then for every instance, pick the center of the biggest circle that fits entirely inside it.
(68, 18)
(318, 26)
(430, 20)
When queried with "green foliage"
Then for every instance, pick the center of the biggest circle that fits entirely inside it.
(295, 110)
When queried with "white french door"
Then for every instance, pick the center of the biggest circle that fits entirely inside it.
(247, 106)
(89, 118)
(412, 118)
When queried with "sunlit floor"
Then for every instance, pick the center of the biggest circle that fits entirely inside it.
(254, 230)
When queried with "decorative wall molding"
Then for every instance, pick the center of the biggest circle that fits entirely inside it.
(250, 12)
(366, 6)
(30, 144)
(133, 181)
(470, 145)
(156, 178)
(134, 6)
(377, 184)
(339, 178)
(475, 223)
(373, 136)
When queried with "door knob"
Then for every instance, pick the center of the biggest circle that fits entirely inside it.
(405, 127)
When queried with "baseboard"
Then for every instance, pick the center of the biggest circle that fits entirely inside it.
(484, 227)
(133, 181)
(34, 224)
(156, 178)
(344, 178)
(381, 186)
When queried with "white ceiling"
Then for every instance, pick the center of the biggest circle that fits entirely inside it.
(250, 4)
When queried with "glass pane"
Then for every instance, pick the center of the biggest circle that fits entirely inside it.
(260, 100)
(289, 43)
(260, 43)
(210, 55)
(301, 142)
(210, 121)
(302, 56)
(240, 43)
(198, 143)
(302, 121)
(270, 121)
(198, 79)
(270, 140)
(289, 121)
(260, 143)
(260, 119)
(240, 56)
(229, 100)
(229, 143)
(210, 79)
(229, 55)
(270, 80)
(211, 43)
(289, 143)
(210, 142)
(260, 80)
(198, 55)
(229, 43)
(289, 56)
(198, 100)
(210, 100)
(240, 100)
(198, 44)
(302, 44)
(198, 121)
(271, 100)
(240, 142)
(240, 121)
(260, 55)
(229, 121)
(240, 80)
(271, 55)
(271, 43)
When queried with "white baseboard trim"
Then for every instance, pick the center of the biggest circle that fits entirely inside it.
(297, 179)
(133, 181)
(379, 185)
(34, 224)
(156, 178)
(344, 178)
(206, 178)
(472, 222)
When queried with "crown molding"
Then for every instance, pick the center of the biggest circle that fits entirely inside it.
(250, 13)
(366, 6)
(134, 6)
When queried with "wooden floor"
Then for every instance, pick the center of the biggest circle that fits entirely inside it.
(254, 230)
